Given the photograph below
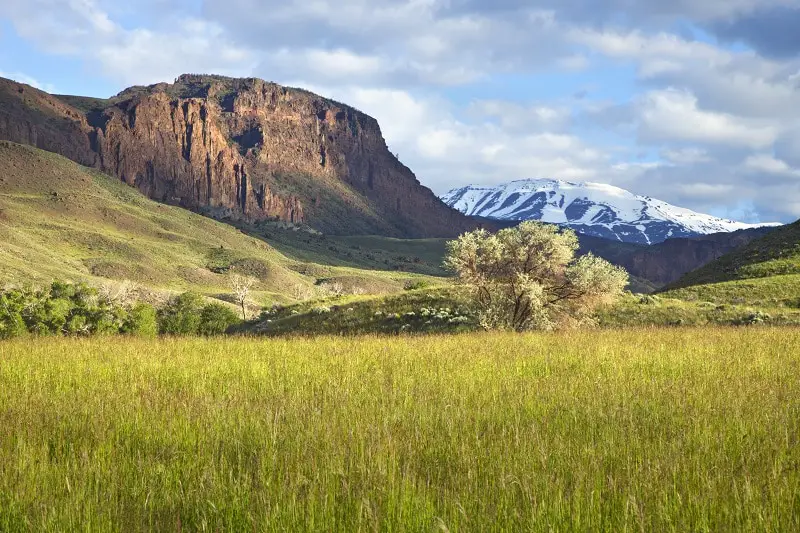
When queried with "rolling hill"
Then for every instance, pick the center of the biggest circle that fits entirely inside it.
(766, 272)
(60, 220)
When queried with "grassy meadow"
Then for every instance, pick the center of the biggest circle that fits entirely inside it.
(642, 430)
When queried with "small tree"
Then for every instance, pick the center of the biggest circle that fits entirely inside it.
(241, 285)
(216, 319)
(527, 277)
(181, 315)
(142, 321)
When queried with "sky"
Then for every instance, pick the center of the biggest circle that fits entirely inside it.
(693, 102)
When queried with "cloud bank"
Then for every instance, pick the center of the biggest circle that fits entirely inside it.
(696, 103)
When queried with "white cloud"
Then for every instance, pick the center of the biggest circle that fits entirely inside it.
(686, 156)
(699, 124)
(24, 78)
(516, 117)
(769, 164)
(141, 56)
(670, 114)
(129, 56)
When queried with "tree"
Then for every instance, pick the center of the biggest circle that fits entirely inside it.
(181, 315)
(241, 285)
(142, 321)
(216, 319)
(527, 277)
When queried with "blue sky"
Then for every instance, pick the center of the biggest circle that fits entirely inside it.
(694, 103)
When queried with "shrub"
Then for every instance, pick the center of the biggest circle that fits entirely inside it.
(59, 309)
(181, 315)
(11, 321)
(216, 319)
(649, 299)
(527, 277)
(416, 284)
(142, 321)
(754, 318)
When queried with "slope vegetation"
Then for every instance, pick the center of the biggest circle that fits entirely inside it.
(765, 272)
(61, 220)
(777, 253)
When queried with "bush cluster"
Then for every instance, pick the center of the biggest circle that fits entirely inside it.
(76, 309)
(416, 284)
(70, 309)
(188, 314)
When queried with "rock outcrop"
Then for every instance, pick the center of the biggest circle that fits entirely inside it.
(664, 263)
(238, 148)
(30, 116)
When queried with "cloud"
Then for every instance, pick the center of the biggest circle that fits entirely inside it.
(701, 109)
(24, 78)
(418, 42)
(685, 156)
(788, 147)
(515, 117)
(772, 30)
(768, 164)
(673, 115)
(141, 56)
(130, 56)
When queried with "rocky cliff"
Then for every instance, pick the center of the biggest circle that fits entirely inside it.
(30, 116)
(237, 148)
(666, 262)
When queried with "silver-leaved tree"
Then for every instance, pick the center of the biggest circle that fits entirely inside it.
(528, 277)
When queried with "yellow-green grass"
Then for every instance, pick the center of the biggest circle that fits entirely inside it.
(774, 255)
(646, 430)
(697, 306)
(59, 220)
(777, 291)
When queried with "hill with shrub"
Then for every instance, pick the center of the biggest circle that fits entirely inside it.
(59, 220)
(763, 273)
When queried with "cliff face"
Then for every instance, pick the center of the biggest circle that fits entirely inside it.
(30, 116)
(174, 151)
(239, 148)
(666, 262)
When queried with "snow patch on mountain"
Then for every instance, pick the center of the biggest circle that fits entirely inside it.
(593, 208)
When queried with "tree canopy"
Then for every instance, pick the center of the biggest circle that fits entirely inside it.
(528, 277)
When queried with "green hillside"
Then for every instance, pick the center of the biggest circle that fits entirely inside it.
(59, 220)
(764, 273)
(776, 254)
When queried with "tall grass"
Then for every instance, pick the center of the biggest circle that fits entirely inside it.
(648, 430)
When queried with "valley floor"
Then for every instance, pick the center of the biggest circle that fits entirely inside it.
(653, 430)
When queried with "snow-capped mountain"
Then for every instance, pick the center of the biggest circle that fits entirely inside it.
(591, 208)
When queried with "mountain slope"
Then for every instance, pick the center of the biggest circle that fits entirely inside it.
(764, 274)
(59, 220)
(590, 208)
(776, 254)
(241, 149)
(667, 261)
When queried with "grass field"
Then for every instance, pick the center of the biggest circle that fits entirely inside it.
(645, 430)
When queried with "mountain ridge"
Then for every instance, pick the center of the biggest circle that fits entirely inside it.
(774, 255)
(595, 209)
(237, 149)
